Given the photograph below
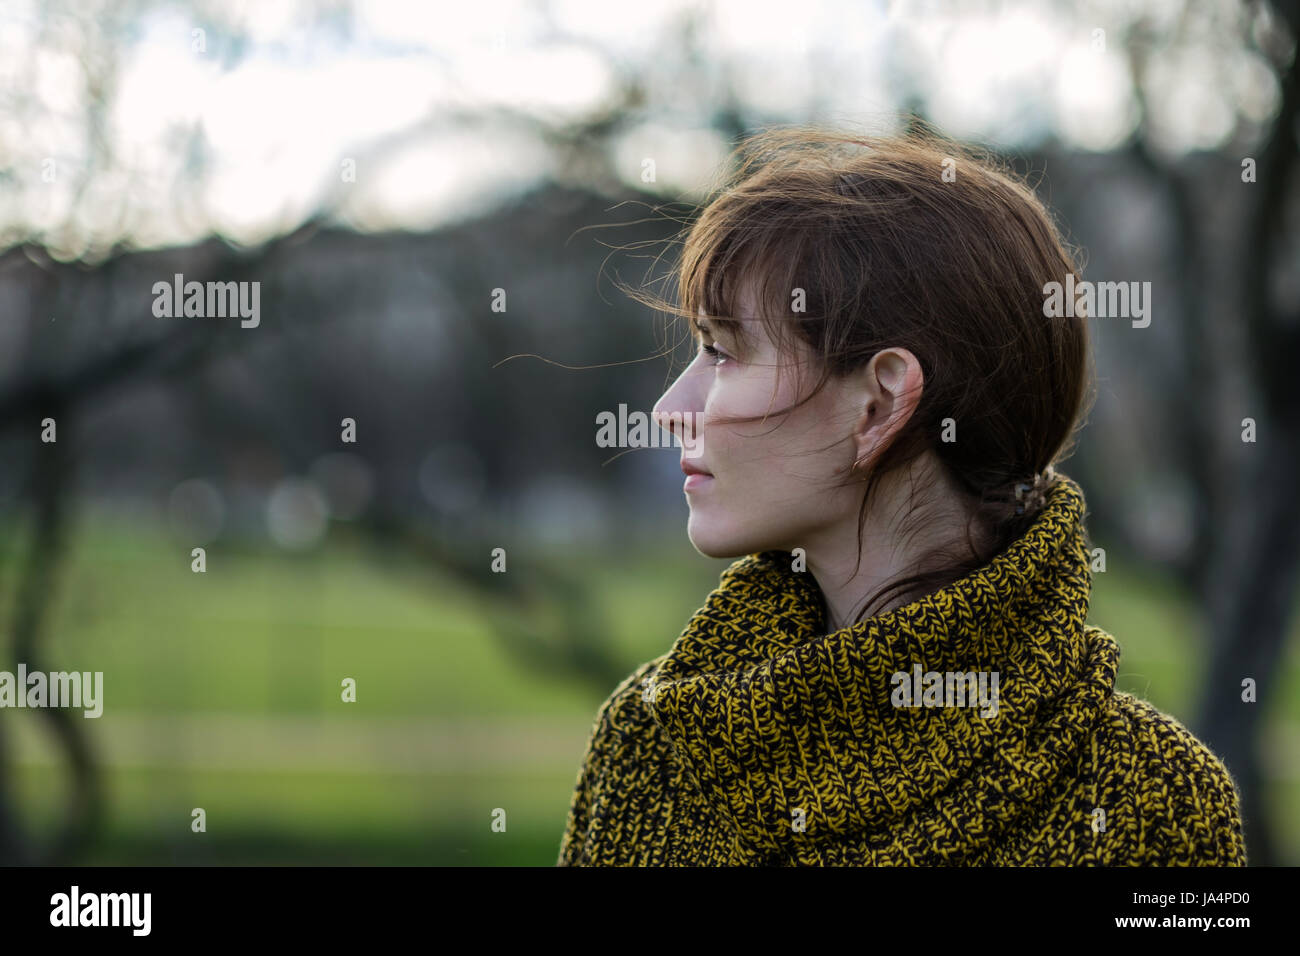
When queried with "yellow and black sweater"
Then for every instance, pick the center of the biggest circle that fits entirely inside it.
(759, 740)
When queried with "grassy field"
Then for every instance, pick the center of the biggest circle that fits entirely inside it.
(222, 691)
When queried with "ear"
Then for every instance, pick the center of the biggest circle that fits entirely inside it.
(888, 392)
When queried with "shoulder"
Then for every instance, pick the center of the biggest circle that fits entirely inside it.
(619, 722)
(1185, 797)
(624, 710)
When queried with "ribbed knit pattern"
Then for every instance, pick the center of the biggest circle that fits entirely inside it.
(758, 739)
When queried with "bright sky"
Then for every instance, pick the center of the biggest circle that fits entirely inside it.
(281, 112)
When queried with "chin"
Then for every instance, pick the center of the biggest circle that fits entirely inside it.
(719, 543)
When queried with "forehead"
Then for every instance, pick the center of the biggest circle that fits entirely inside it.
(735, 300)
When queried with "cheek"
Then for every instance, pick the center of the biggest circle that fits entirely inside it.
(744, 393)
(807, 461)
(724, 441)
(798, 447)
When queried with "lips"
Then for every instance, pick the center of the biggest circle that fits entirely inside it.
(696, 477)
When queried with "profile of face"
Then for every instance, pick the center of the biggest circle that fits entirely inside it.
(779, 483)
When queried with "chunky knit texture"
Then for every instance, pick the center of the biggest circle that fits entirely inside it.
(758, 739)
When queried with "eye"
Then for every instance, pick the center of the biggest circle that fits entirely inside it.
(712, 352)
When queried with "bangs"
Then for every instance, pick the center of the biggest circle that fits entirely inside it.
(724, 262)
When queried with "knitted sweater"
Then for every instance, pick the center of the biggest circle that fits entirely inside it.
(758, 739)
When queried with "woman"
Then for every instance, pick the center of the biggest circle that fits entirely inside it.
(898, 670)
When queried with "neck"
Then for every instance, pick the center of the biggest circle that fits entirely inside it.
(888, 551)
(844, 588)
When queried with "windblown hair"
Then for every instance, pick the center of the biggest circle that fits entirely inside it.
(887, 250)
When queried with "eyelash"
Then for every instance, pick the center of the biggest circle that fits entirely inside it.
(713, 352)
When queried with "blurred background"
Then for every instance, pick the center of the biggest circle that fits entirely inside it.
(382, 170)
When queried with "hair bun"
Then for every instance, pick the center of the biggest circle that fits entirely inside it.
(1032, 495)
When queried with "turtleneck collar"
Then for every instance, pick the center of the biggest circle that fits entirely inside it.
(774, 720)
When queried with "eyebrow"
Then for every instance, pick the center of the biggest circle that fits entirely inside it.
(728, 327)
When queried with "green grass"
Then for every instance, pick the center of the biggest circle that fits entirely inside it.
(271, 635)
(317, 818)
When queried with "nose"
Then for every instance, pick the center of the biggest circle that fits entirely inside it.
(680, 409)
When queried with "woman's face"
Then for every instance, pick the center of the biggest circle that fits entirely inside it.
(769, 485)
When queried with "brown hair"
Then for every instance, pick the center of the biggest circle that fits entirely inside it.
(916, 242)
